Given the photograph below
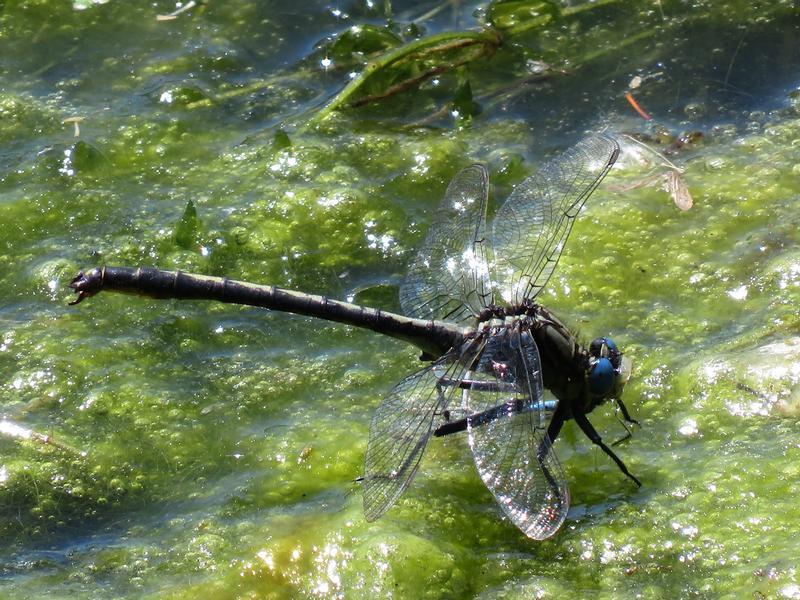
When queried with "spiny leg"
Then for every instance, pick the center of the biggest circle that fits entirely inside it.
(546, 445)
(590, 432)
(625, 421)
(627, 435)
(626, 416)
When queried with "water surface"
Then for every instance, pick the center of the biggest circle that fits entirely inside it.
(210, 450)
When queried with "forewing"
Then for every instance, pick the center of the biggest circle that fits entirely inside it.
(512, 451)
(401, 428)
(448, 279)
(530, 229)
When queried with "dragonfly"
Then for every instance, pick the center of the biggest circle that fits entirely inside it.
(469, 303)
(492, 386)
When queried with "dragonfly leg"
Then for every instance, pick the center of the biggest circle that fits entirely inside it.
(450, 427)
(555, 424)
(592, 434)
(547, 443)
(625, 421)
(626, 436)
(626, 416)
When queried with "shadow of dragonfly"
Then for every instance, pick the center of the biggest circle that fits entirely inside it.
(469, 306)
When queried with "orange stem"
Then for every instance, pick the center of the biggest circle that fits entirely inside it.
(636, 107)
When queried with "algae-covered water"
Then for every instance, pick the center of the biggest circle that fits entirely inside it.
(188, 449)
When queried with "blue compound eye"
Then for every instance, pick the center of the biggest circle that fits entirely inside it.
(601, 377)
(605, 348)
(613, 353)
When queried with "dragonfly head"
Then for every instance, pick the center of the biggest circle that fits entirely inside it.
(609, 371)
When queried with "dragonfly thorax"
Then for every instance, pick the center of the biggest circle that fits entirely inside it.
(494, 311)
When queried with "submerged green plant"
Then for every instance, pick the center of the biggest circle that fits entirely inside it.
(407, 66)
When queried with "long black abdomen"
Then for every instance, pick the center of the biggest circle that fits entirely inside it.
(432, 337)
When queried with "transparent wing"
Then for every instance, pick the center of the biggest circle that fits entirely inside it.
(402, 426)
(530, 229)
(448, 279)
(508, 435)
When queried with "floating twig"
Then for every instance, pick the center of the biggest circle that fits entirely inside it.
(174, 14)
(13, 430)
(629, 97)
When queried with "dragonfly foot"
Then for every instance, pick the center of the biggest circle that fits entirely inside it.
(86, 285)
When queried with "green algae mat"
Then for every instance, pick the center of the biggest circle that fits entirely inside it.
(172, 449)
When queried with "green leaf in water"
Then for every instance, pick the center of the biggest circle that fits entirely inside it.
(406, 67)
(463, 102)
(187, 228)
(281, 141)
(353, 46)
(86, 156)
(74, 159)
(522, 13)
